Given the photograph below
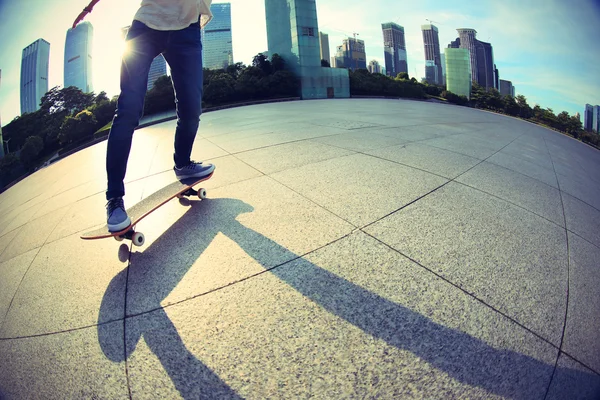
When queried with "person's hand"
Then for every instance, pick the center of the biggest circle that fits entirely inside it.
(85, 11)
(80, 17)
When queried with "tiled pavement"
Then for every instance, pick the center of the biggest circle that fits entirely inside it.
(348, 249)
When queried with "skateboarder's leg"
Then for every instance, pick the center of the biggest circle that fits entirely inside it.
(184, 55)
(143, 45)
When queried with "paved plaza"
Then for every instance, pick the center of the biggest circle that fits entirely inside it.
(349, 248)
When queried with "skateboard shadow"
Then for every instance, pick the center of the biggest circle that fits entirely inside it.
(463, 357)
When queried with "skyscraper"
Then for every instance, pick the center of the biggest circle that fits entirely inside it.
(588, 117)
(78, 57)
(481, 54)
(485, 64)
(217, 47)
(292, 29)
(433, 64)
(458, 71)
(374, 67)
(496, 78)
(443, 62)
(506, 88)
(158, 68)
(468, 41)
(324, 46)
(394, 48)
(596, 119)
(34, 75)
(351, 54)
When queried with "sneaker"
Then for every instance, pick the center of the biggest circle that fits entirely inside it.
(194, 170)
(117, 218)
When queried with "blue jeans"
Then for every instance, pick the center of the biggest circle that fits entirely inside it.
(182, 50)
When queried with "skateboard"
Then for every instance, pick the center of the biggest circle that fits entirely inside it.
(141, 210)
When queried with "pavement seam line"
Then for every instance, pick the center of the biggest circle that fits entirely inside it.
(125, 358)
(568, 275)
(18, 286)
(266, 270)
(428, 193)
(465, 291)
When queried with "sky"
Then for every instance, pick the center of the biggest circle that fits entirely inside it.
(549, 49)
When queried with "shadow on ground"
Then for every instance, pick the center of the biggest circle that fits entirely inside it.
(465, 358)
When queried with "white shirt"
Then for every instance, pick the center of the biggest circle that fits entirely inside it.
(173, 15)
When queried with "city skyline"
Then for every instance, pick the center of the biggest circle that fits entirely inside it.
(551, 63)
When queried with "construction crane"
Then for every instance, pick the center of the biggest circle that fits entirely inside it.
(431, 22)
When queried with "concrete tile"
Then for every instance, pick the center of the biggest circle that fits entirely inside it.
(509, 258)
(522, 166)
(582, 335)
(33, 235)
(7, 239)
(409, 133)
(290, 155)
(582, 188)
(346, 123)
(533, 153)
(521, 190)
(266, 138)
(70, 197)
(431, 159)
(11, 274)
(573, 381)
(70, 365)
(360, 141)
(476, 148)
(71, 284)
(359, 188)
(352, 320)
(582, 219)
(212, 243)
(19, 218)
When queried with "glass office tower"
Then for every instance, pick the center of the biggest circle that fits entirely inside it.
(458, 71)
(431, 42)
(34, 75)
(158, 68)
(394, 49)
(217, 47)
(78, 57)
(293, 33)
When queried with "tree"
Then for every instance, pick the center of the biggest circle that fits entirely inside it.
(325, 63)
(101, 97)
(31, 149)
(510, 106)
(75, 129)
(220, 89)
(403, 75)
(161, 97)
(70, 99)
(235, 69)
(261, 62)
(10, 168)
(525, 110)
(277, 63)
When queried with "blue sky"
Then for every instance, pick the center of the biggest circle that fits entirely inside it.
(549, 49)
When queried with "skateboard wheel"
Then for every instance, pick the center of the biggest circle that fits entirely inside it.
(138, 239)
(119, 238)
(180, 196)
(202, 194)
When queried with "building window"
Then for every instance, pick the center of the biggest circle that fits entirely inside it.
(306, 31)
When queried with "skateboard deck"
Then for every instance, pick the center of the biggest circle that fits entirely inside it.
(141, 210)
